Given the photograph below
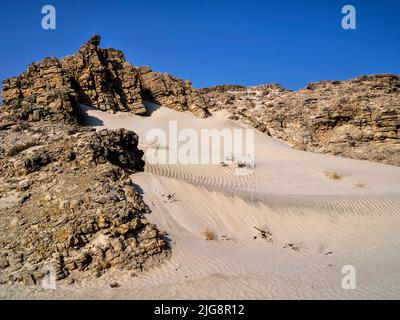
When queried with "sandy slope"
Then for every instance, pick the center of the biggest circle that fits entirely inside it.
(316, 225)
(279, 168)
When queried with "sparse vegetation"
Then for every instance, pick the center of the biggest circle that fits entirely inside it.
(264, 234)
(209, 234)
(241, 164)
(170, 197)
(334, 175)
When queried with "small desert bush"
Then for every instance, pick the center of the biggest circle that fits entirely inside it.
(209, 234)
(334, 175)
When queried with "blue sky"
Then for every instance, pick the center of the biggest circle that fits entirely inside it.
(214, 42)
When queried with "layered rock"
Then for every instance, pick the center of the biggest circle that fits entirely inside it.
(67, 203)
(101, 78)
(68, 208)
(359, 118)
(174, 93)
(43, 90)
(119, 147)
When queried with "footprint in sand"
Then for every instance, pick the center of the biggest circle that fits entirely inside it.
(295, 246)
(324, 250)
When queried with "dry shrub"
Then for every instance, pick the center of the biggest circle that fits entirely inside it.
(209, 234)
(334, 175)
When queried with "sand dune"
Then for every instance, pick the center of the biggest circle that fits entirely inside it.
(301, 258)
(279, 168)
(313, 225)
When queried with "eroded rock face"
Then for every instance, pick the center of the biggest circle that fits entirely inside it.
(174, 93)
(68, 206)
(359, 118)
(100, 78)
(103, 79)
(119, 147)
(43, 91)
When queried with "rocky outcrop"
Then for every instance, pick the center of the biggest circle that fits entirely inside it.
(177, 94)
(67, 204)
(359, 118)
(119, 147)
(101, 78)
(43, 91)
(222, 88)
(68, 208)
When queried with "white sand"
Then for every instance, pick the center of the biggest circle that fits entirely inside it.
(333, 223)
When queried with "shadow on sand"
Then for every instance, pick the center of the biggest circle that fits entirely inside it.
(87, 119)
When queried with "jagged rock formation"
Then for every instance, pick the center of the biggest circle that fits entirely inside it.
(168, 91)
(359, 118)
(101, 78)
(68, 206)
(66, 200)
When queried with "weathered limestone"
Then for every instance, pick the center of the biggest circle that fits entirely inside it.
(177, 94)
(101, 78)
(68, 204)
(359, 118)
(42, 90)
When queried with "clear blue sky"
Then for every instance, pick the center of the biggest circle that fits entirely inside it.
(291, 42)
